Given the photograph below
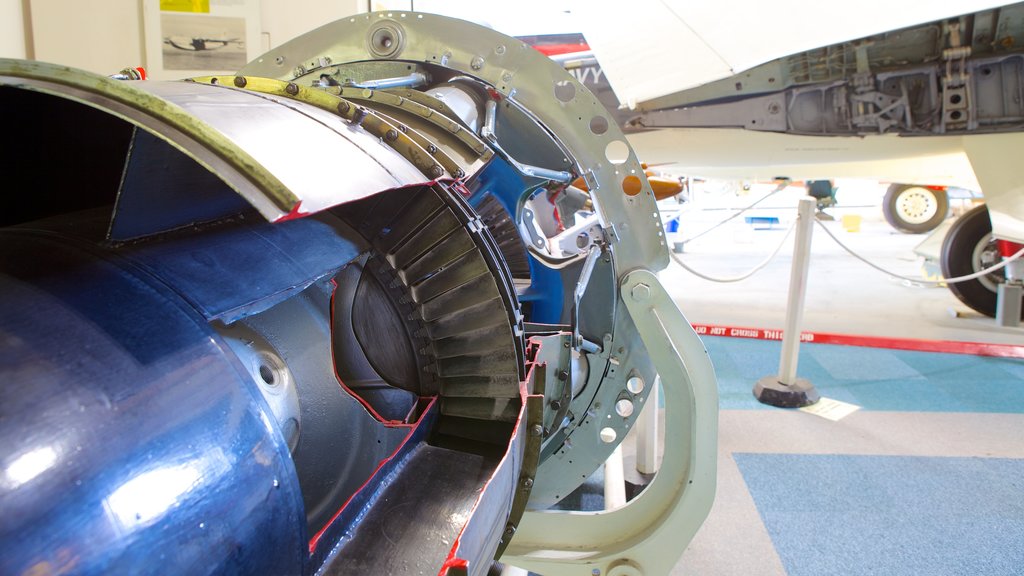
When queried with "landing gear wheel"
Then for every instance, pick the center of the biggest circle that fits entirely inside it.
(968, 248)
(914, 209)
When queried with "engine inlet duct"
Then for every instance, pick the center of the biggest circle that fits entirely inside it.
(340, 312)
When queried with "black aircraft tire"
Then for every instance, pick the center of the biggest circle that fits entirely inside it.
(967, 248)
(914, 209)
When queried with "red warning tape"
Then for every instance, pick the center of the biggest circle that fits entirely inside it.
(944, 346)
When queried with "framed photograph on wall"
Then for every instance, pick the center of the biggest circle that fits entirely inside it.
(186, 38)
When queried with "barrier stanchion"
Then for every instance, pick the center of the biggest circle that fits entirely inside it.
(614, 480)
(785, 389)
(647, 432)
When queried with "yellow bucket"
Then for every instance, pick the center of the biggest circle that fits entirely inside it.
(851, 222)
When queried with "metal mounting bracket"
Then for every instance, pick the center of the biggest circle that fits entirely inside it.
(642, 537)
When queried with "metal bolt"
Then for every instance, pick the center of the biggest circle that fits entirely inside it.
(500, 49)
(537, 430)
(391, 135)
(641, 292)
(506, 77)
(563, 375)
(527, 483)
(582, 240)
(510, 530)
(240, 81)
(435, 171)
(556, 405)
(343, 108)
(299, 71)
(459, 173)
(431, 148)
(476, 63)
(279, 60)
(358, 116)
(292, 88)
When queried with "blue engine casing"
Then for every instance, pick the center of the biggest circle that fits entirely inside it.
(133, 423)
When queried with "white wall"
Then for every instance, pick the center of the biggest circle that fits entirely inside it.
(12, 29)
(101, 36)
(104, 36)
(286, 19)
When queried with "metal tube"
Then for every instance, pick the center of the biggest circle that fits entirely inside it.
(581, 288)
(797, 292)
(411, 81)
(490, 119)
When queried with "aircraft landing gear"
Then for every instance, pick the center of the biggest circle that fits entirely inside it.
(968, 248)
(914, 209)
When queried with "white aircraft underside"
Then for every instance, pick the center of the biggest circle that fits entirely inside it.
(677, 45)
(658, 47)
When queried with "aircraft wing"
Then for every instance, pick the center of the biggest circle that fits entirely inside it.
(658, 47)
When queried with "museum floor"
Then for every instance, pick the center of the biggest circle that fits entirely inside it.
(924, 478)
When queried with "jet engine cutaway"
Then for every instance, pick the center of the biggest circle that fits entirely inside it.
(342, 312)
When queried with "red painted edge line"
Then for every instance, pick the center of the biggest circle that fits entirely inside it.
(334, 365)
(315, 540)
(296, 212)
(912, 344)
(412, 426)
(453, 560)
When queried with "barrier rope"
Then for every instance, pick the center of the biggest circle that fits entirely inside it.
(956, 280)
(779, 188)
(998, 266)
(742, 277)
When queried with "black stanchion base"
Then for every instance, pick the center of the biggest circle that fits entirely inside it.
(769, 390)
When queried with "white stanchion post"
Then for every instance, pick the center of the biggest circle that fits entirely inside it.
(647, 432)
(785, 389)
(614, 481)
(797, 292)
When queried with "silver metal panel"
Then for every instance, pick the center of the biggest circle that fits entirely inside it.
(319, 157)
(523, 77)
